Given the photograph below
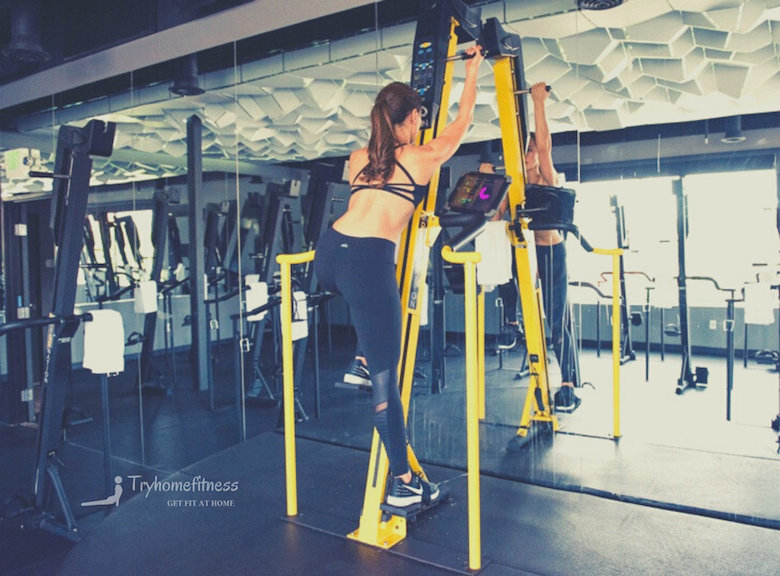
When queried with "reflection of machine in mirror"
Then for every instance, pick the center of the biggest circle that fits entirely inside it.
(255, 144)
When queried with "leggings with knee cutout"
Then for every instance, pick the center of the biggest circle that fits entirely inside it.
(363, 272)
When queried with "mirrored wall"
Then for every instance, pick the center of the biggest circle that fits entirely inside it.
(665, 125)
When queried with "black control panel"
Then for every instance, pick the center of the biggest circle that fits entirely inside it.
(428, 66)
(431, 43)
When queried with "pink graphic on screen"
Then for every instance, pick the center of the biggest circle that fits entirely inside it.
(483, 193)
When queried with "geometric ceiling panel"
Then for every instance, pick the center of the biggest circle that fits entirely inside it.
(646, 61)
(740, 18)
(710, 38)
(588, 47)
(731, 79)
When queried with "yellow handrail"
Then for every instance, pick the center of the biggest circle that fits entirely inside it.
(615, 253)
(286, 261)
(469, 261)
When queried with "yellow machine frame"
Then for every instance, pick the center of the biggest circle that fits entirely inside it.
(536, 408)
(537, 403)
(410, 272)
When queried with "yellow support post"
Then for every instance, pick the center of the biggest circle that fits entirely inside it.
(481, 351)
(537, 401)
(286, 261)
(469, 261)
(615, 253)
(410, 273)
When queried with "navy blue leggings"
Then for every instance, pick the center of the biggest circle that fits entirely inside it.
(362, 270)
(551, 261)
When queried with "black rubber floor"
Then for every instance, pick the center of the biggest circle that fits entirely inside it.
(674, 452)
(581, 504)
(526, 529)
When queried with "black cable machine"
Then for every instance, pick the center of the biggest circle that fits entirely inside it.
(688, 378)
(28, 250)
(151, 378)
(72, 171)
(112, 285)
(278, 232)
(627, 319)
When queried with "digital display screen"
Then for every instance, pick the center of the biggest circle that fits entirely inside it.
(479, 193)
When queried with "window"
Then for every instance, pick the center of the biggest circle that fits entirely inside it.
(650, 221)
(731, 228)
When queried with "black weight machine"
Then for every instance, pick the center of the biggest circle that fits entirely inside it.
(627, 319)
(552, 208)
(688, 378)
(767, 358)
(151, 378)
(28, 250)
(282, 217)
(51, 509)
(292, 223)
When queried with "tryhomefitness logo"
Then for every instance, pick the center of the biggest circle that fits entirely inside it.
(203, 490)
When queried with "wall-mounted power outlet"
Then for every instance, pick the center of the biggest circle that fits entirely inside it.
(713, 324)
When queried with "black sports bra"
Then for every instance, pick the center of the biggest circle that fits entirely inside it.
(418, 191)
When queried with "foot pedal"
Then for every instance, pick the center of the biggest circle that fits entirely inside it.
(569, 409)
(349, 386)
(410, 513)
(537, 432)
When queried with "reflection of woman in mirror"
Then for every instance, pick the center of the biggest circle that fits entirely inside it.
(355, 257)
(550, 254)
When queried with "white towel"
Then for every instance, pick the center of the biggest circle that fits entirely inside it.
(104, 343)
(300, 325)
(180, 272)
(424, 307)
(496, 265)
(256, 295)
(146, 297)
(759, 304)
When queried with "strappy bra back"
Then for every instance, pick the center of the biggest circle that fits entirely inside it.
(418, 191)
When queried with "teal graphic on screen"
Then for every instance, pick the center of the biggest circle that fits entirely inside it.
(477, 192)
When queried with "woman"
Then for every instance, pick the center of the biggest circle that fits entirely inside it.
(355, 257)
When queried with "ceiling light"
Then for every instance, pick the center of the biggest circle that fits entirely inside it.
(186, 82)
(598, 4)
(25, 44)
(733, 133)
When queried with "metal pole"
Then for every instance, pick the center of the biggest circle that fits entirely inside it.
(196, 205)
(729, 326)
(598, 328)
(647, 337)
(106, 436)
(238, 359)
(663, 341)
(316, 362)
(173, 342)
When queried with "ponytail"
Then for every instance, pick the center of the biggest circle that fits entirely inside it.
(392, 106)
(381, 144)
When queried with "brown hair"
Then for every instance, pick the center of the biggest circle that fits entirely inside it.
(391, 107)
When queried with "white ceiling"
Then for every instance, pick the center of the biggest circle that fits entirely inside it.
(645, 62)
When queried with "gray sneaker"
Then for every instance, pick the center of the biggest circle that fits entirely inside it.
(357, 374)
(417, 491)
